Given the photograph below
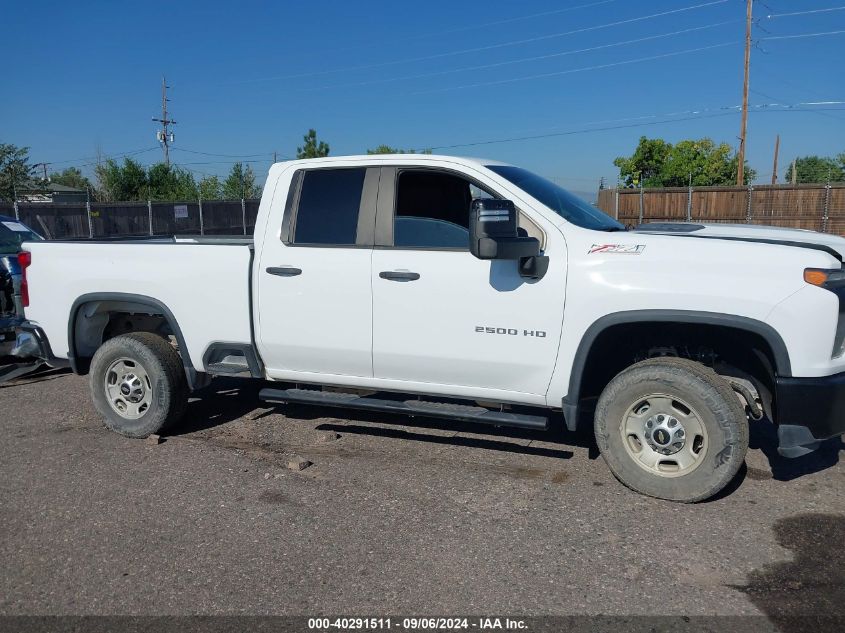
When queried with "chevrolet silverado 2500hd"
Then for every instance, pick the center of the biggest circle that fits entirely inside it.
(468, 289)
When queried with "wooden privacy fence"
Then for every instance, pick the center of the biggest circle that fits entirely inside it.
(125, 219)
(814, 207)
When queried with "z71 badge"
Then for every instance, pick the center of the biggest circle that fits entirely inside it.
(621, 249)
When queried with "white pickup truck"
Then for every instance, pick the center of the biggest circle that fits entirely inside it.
(468, 289)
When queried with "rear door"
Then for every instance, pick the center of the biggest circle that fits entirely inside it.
(446, 321)
(315, 301)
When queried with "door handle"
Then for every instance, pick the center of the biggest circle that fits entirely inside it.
(399, 275)
(284, 271)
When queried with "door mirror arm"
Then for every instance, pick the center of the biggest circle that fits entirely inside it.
(534, 267)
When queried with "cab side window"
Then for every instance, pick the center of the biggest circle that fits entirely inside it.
(432, 210)
(328, 208)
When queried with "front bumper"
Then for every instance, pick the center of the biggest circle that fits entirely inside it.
(809, 411)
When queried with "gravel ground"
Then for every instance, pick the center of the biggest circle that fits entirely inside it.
(436, 518)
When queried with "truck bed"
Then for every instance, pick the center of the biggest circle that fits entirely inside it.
(203, 281)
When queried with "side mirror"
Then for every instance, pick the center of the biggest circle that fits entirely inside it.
(493, 232)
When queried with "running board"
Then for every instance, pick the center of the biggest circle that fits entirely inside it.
(411, 406)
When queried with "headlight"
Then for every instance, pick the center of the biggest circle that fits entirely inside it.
(833, 280)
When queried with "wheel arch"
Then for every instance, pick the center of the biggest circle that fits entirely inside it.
(775, 348)
(121, 302)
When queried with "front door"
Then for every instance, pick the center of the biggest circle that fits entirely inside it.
(443, 317)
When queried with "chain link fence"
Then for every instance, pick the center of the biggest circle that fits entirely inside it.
(127, 219)
(814, 207)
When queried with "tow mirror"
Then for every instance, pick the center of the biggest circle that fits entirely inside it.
(493, 232)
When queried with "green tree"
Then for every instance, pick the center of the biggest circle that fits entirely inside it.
(657, 163)
(387, 149)
(210, 188)
(15, 170)
(131, 182)
(169, 182)
(312, 148)
(70, 177)
(644, 167)
(707, 162)
(817, 169)
(121, 183)
(240, 183)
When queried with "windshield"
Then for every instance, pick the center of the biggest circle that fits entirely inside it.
(13, 233)
(568, 206)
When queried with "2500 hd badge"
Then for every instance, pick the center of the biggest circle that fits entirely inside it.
(509, 331)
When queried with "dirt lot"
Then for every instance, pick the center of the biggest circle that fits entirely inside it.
(432, 518)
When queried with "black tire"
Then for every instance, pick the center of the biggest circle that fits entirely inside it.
(165, 379)
(720, 418)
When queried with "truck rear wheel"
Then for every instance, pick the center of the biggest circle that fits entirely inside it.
(671, 428)
(138, 384)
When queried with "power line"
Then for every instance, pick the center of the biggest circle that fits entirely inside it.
(498, 45)
(578, 70)
(474, 27)
(105, 156)
(225, 162)
(193, 151)
(824, 114)
(524, 59)
(799, 35)
(704, 114)
(573, 132)
(783, 15)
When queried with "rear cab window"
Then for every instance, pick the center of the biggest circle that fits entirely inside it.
(328, 207)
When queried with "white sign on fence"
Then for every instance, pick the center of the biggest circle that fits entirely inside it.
(180, 210)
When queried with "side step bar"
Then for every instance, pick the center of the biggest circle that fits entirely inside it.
(411, 406)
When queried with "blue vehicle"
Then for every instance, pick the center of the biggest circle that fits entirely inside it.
(12, 234)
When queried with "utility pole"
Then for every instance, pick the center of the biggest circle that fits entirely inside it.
(795, 171)
(775, 166)
(275, 160)
(164, 136)
(743, 131)
(43, 167)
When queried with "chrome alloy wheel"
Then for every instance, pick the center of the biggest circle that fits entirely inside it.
(128, 387)
(664, 435)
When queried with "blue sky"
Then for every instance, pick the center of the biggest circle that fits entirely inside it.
(249, 78)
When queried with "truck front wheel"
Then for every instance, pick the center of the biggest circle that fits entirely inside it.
(671, 428)
(138, 384)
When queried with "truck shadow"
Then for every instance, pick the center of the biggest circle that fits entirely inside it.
(763, 437)
(227, 400)
(490, 441)
(807, 592)
(39, 373)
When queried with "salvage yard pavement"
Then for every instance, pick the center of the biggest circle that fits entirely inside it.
(252, 509)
